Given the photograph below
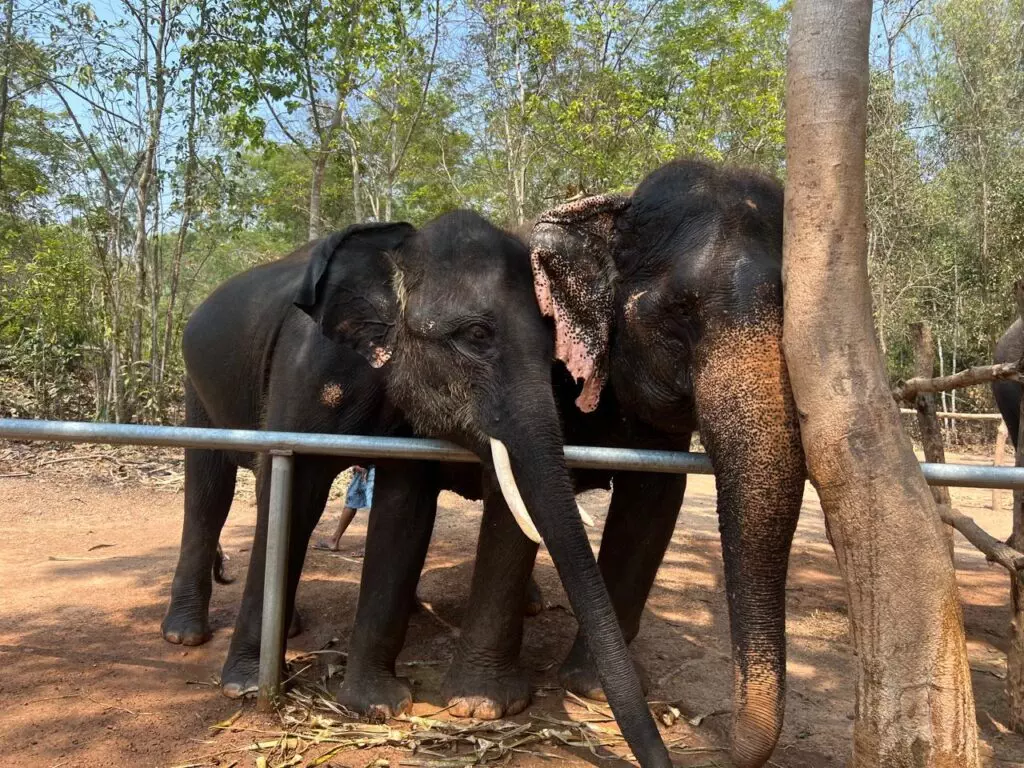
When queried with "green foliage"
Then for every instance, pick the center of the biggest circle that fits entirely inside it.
(272, 122)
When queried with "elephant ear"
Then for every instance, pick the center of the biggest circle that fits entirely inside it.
(350, 287)
(574, 276)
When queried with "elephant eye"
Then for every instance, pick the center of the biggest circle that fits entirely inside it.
(478, 332)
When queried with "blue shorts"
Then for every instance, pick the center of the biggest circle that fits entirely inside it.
(360, 491)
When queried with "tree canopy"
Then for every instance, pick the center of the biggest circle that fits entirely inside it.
(151, 148)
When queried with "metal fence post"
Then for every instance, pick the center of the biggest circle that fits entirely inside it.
(275, 579)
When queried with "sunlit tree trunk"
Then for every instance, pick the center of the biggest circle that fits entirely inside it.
(914, 704)
(5, 82)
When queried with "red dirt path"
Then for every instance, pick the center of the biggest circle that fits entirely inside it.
(86, 679)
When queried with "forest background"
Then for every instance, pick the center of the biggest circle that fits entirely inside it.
(149, 149)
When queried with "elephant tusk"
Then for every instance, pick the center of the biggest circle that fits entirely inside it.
(585, 516)
(509, 489)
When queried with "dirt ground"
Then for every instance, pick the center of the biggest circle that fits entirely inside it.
(87, 549)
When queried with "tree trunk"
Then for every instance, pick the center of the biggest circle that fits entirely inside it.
(315, 192)
(155, 109)
(5, 85)
(1015, 653)
(997, 459)
(389, 190)
(357, 179)
(914, 704)
(187, 204)
(320, 167)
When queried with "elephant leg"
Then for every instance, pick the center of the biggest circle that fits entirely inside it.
(398, 535)
(209, 490)
(641, 520)
(534, 598)
(485, 679)
(311, 485)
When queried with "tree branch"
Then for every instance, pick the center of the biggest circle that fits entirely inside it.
(908, 390)
(426, 92)
(994, 550)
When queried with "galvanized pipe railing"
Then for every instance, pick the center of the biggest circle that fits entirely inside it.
(282, 445)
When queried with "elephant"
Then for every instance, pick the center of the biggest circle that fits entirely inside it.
(668, 316)
(1009, 349)
(383, 329)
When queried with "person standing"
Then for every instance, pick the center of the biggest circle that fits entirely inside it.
(359, 496)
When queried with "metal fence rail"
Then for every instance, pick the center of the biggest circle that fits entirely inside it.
(283, 445)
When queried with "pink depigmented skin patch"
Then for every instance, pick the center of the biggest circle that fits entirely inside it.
(381, 355)
(568, 348)
(571, 264)
(331, 395)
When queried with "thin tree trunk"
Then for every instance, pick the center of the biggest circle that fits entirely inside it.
(5, 84)
(389, 190)
(997, 459)
(155, 273)
(320, 167)
(187, 204)
(1015, 653)
(357, 179)
(315, 192)
(914, 704)
(927, 420)
(148, 169)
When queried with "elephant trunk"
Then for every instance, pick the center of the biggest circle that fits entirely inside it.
(541, 480)
(749, 427)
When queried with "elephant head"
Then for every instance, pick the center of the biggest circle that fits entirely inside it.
(674, 296)
(448, 314)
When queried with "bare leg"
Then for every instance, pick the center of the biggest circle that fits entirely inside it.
(347, 516)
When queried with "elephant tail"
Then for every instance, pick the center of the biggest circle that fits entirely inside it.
(218, 567)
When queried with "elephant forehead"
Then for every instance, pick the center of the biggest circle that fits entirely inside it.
(437, 301)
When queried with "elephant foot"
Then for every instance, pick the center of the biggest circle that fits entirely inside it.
(534, 598)
(486, 693)
(240, 677)
(183, 627)
(578, 674)
(295, 628)
(377, 697)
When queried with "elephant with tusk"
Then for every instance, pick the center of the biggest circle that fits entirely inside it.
(383, 329)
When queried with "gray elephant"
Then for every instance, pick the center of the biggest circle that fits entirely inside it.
(1009, 349)
(385, 330)
(668, 309)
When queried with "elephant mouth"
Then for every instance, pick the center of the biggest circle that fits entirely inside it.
(514, 499)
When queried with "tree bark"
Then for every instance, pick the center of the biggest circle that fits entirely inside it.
(914, 705)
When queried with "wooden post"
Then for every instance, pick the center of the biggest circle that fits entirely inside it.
(914, 705)
(997, 459)
(927, 417)
(1015, 653)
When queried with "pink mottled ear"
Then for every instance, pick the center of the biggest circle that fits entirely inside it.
(574, 275)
